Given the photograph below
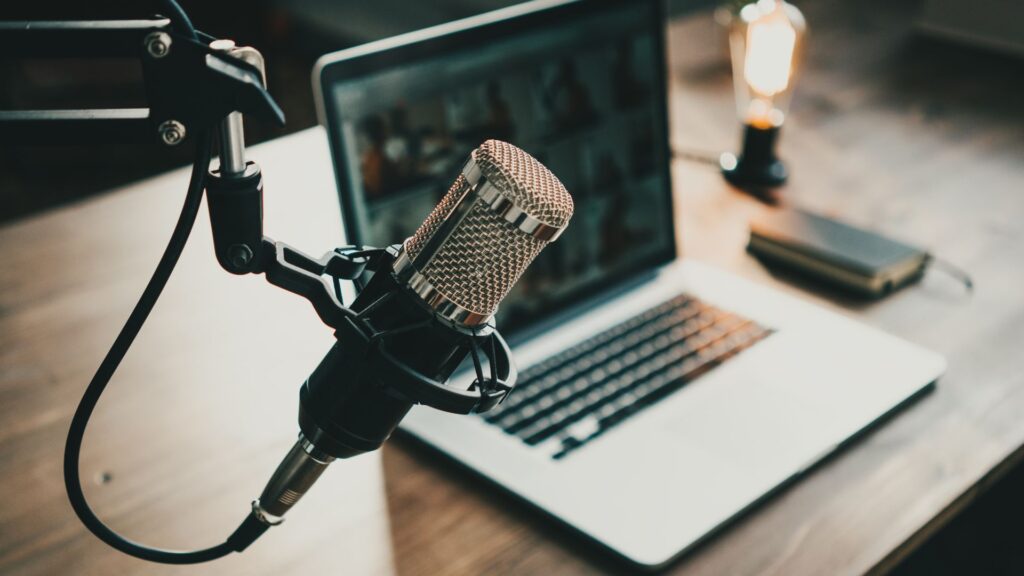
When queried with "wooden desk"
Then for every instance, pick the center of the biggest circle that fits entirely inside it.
(926, 144)
(205, 404)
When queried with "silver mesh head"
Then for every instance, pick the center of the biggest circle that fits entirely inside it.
(526, 182)
(495, 219)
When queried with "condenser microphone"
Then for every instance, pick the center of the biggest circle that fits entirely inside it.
(427, 309)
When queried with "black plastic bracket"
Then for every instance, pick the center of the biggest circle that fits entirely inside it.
(317, 280)
(189, 86)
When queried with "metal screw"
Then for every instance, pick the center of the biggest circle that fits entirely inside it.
(171, 132)
(158, 44)
(240, 255)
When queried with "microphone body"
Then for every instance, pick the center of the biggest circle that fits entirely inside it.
(344, 408)
(426, 308)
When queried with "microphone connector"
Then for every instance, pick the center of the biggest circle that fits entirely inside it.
(299, 469)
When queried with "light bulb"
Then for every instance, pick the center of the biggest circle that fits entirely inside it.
(766, 40)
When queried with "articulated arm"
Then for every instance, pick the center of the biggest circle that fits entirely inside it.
(190, 84)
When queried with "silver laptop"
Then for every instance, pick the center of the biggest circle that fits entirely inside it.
(658, 397)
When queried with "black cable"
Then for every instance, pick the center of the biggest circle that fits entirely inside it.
(954, 271)
(695, 155)
(251, 528)
(179, 19)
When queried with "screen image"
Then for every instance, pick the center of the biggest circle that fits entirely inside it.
(584, 99)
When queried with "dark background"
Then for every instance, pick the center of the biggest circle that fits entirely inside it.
(986, 539)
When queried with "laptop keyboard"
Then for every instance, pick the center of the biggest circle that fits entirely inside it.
(572, 397)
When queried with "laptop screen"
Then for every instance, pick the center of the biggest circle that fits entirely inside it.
(582, 93)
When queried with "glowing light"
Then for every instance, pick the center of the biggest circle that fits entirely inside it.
(765, 40)
(770, 44)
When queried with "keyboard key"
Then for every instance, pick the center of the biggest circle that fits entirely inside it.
(584, 428)
(574, 396)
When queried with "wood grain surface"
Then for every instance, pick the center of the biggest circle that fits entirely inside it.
(205, 404)
(919, 140)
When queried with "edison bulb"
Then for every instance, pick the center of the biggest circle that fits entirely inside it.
(766, 41)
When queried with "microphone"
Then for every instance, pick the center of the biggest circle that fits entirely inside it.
(427, 308)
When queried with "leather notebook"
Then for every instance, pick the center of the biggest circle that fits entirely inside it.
(835, 252)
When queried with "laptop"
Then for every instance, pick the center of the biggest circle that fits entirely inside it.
(658, 397)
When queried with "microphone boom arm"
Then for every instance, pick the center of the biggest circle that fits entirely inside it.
(195, 84)
(189, 84)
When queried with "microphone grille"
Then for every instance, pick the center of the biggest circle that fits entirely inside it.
(527, 182)
(475, 263)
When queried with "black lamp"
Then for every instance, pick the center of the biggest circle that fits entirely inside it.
(766, 40)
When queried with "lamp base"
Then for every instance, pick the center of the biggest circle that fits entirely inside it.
(756, 169)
